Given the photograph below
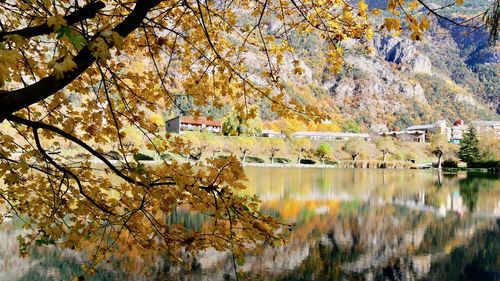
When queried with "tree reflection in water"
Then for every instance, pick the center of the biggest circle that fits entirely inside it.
(469, 187)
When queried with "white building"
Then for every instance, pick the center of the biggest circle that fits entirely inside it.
(436, 128)
(330, 135)
(408, 136)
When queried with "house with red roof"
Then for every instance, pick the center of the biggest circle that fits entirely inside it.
(190, 123)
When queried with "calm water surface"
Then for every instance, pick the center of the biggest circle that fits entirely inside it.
(350, 224)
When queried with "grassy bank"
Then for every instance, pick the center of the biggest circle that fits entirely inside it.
(259, 150)
(291, 152)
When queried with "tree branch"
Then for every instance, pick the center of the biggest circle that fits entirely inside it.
(13, 101)
(67, 172)
(34, 125)
(448, 19)
(86, 12)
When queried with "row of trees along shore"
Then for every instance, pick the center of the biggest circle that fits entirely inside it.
(474, 150)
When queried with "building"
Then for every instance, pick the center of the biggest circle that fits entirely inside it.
(455, 134)
(407, 136)
(330, 136)
(437, 128)
(488, 127)
(271, 134)
(187, 123)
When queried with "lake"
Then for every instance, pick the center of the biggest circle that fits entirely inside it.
(349, 224)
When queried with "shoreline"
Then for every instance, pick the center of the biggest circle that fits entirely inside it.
(423, 166)
(325, 166)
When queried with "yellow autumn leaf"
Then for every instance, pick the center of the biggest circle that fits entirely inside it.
(117, 40)
(413, 4)
(416, 35)
(56, 22)
(8, 61)
(392, 24)
(100, 49)
(424, 23)
(66, 65)
(363, 7)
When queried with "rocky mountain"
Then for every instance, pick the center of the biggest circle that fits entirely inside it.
(395, 82)
(448, 75)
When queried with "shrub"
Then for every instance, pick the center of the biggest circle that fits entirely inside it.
(253, 159)
(450, 163)
(330, 162)
(374, 164)
(222, 157)
(307, 161)
(398, 155)
(411, 156)
(282, 160)
(142, 157)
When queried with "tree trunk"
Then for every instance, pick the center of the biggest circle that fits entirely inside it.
(272, 159)
(440, 156)
(385, 155)
(354, 156)
(244, 156)
(298, 160)
(440, 176)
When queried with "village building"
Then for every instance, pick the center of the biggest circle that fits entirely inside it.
(271, 134)
(187, 123)
(330, 135)
(406, 136)
(436, 128)
(455, 133)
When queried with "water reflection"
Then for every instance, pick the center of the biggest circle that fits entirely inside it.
(351, 224)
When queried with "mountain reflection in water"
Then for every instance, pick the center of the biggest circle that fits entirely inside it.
(350, 224)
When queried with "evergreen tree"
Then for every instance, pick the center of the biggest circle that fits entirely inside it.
(469, 150)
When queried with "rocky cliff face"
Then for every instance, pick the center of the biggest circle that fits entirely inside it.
(394, 82)
(402, 51)
(405, 82)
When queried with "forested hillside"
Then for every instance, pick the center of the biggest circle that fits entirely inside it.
(396, 82)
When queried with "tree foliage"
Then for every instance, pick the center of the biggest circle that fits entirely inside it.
(469, 151)
(489, 146)
(350, 126)
(385, 145)
(323, 151)
(236, 124)
(353, 147)
(438, 146)
(273, 146)
(82, 71)
(301, 146)
(245, 145)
